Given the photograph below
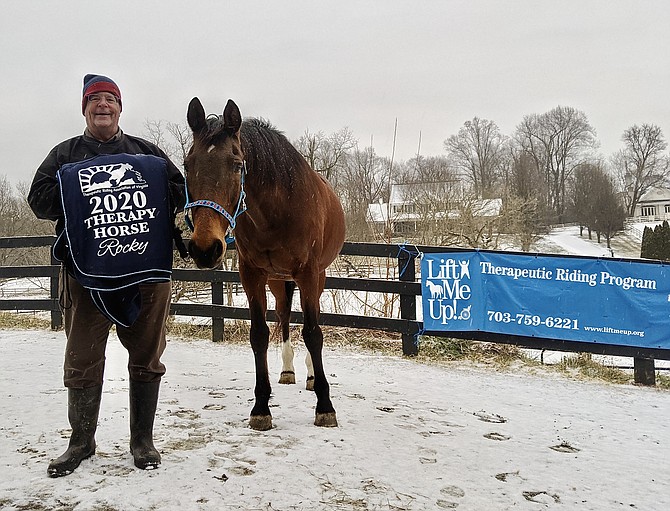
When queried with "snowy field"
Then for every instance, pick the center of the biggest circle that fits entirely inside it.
(410, 437)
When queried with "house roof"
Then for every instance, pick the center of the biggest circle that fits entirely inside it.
(489, 207)
(656, 195)
(378, 212)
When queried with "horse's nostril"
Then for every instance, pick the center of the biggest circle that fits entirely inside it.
(208, 257)
(193, 249)
(217, 250)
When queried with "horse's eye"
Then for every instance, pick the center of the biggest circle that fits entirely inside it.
(238, 167)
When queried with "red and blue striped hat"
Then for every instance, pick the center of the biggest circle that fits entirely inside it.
(98, 83)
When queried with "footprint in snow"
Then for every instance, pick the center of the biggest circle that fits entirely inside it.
(450, 491)
(497, 436)
(213, 407)
(490, 417)
(564, 447)
(541, 497)
(508, 476)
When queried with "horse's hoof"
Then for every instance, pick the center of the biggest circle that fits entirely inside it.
(309, 384)
(287, 377)
(326, 420)
(260, 422)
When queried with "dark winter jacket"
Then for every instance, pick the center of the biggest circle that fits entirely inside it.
(44, 196)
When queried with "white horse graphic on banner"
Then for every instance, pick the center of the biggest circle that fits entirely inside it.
(436, 291)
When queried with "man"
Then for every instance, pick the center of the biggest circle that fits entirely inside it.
(86, 327)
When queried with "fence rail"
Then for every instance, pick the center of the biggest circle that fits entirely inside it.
(406, 288)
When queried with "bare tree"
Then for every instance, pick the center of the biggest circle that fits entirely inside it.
(641, 164)
(522, 220)
(16, 219)
(478, 151)
(473, 223)
(426, 169)
(363, 182)
(183, 138)
(326, 153)
(596, 203)
(558, 141)
(420, 209)
(583, 184)
(173, 138)
(524, 179)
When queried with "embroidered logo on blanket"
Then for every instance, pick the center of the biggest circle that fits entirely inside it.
(113, 177)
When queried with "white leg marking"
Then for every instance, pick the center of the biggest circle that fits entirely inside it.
(287, 357)
(310, 372)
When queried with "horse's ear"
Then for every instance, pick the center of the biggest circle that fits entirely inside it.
(196, 116)
(232, 119)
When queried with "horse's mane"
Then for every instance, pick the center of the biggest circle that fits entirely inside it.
(268, 152)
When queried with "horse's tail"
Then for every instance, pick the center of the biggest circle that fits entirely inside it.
(277, 333)
(289, 287)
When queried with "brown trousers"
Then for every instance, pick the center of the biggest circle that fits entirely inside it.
(87, 331)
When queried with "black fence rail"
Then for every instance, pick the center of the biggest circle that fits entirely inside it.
(406, 287)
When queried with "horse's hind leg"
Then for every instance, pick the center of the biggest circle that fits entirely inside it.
(310, 292)
(283, 293)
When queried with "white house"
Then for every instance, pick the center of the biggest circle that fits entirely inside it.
(654, 205)
(409, 203)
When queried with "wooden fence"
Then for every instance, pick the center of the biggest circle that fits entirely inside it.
(405, 287)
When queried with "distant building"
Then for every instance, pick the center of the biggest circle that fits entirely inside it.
(412, 203)
(654, 205)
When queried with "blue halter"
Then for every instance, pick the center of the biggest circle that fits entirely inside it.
(232, 219)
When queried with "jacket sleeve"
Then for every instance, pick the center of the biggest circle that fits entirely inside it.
(44, 195)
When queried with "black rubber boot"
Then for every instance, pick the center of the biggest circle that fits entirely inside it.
(82, 410)
(143, 401)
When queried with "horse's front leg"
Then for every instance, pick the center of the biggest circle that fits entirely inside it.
(310, 292)
(254, 286)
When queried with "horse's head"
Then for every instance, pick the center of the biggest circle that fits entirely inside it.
(214, 167)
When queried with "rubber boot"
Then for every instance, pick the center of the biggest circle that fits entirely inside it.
(143, 401)
(83, 406)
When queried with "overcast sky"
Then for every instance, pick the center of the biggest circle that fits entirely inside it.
(318, 66)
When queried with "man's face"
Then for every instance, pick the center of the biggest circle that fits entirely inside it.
(102, 115)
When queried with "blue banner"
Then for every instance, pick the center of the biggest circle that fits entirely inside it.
(575, 299)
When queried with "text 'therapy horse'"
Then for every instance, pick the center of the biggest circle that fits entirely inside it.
(246, 179)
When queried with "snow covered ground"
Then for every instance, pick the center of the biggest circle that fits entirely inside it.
(569, 241)
(410, 437)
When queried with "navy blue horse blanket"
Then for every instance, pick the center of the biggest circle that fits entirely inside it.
(118, 229)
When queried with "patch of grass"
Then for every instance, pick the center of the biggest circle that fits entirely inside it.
(446, 349)
(368, 341)
(23, 320)
(662, 381)
(188, 330)
(584, 365)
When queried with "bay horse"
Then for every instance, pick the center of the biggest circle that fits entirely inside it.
(244, 178)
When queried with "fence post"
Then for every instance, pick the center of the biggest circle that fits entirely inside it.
(644, 371)
(56, 315)
(407, 302)
(217, 299)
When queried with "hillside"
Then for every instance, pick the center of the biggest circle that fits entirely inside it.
(567, 240)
